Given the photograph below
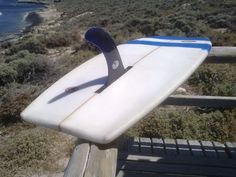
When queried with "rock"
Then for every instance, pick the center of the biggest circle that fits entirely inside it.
(181, 90)
(34, 18)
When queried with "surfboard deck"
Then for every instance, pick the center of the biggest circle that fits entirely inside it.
(158, 65)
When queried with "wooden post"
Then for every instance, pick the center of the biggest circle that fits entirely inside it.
(92, 160)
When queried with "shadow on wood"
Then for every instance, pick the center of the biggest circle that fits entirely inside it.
(169, 157)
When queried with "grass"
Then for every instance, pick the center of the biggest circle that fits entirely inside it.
(27, 150)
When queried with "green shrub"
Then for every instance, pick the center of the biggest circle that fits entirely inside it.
(215, 125)
(7, 74)
(206, 75)
(23, 68)
(32, 44)
(6, 44)
(85, 46)
(220, 39)
(67, 63)
(32, 67)
(2, 60)
(58, 40)
(214, 80)
(21, 54)
(225, 89)
(14, 101)
(220, 21)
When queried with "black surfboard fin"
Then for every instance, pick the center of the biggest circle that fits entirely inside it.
(105, 43)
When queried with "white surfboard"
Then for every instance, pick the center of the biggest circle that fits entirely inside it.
(77, 105)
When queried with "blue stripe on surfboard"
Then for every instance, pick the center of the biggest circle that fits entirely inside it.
(168, 44)
(180, 38)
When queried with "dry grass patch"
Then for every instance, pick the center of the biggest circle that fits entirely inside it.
(30, 151)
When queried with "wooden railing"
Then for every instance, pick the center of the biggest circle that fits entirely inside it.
(222, 55)
(201, 101)
(91, 160)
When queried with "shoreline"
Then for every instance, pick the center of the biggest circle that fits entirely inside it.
(37, 20)
(14, 36)
(33, 21)
(33, 2)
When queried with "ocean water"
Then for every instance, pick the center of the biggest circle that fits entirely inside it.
(12, 16)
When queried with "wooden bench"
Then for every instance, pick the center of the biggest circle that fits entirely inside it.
(148, 157)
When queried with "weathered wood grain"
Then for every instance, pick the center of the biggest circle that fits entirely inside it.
(170, 147)
(78, 161)
(178, 169)
(145, 145)
(196, 148)
(124, 173)
(231, 149)
(133, 145)
(208, 149)
(90, 160)
(220, 149)
(206, 159)
(101, 161)
(158, 146)
(183, 147)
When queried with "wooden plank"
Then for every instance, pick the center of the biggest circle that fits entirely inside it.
(145, 145)
(184, 160)
(138, 157)
(196, 148)
(123, 173)
(180, 169)
(133, 145)
(220, 149)
(78, 161)
(126, 173)
(208, 149)
(102, 161)
(183, 147)
(170, 147)
(222, 55)
(122, 144)
(201, 101)
(92, 160)
(231, 149)
(158, 146)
